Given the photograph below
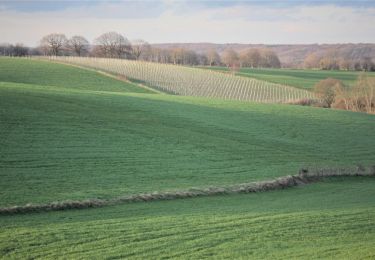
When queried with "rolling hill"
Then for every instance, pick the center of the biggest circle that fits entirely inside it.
(333, 219)
(305, 79)
(69, 133)
(187, 81)
(60, 141)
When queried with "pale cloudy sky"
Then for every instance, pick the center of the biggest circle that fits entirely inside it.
(269, 22)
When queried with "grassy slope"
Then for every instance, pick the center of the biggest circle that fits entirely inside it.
(325, 220)
(62, 144)
(45, 73)
(298, 78)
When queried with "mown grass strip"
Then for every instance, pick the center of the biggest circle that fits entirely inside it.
(305, 176)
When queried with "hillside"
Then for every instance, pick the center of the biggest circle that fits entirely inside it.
(66, 143)
(17, 70)
(305, 79)
(289, 54)
(69, 133)
(334, 220)
(187, 81)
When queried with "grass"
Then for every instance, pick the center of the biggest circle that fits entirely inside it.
(305, 79)
(66, 143)
(18, 70)
(333, 219)
(65, 136)
(62, 144)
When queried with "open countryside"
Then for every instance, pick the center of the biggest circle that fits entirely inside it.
(122, 149)
(299, 78)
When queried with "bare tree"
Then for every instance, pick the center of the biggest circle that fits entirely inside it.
(13, 50)
(213, 57)
(365, 92)
(344, 95)
(345, 64)
(202, 59)
(367, 64)
(329, 61)
(53, 43)
(20, 50)
(250, 58)
(190, 57)
(230, 59)
(5, 49)
(112, 45)
(311, 61)
(78, 45)
(269, 59)
(177, 55)
(138, 47)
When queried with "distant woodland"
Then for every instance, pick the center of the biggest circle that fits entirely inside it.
(359, 57)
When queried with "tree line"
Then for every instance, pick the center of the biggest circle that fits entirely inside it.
(330, 60)
(115, 45)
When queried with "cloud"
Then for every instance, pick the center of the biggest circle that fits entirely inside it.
(181, 21)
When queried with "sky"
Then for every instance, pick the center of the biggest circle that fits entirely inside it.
(268, 22)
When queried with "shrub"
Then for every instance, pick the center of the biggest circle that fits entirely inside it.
(327, 90)
(307, 102)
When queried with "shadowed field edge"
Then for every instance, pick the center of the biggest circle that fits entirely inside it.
(305, 176)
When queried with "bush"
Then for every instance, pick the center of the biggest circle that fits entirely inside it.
(327, 90)
(306, 102)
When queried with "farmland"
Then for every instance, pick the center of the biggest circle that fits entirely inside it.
(334, 219)
(71, 133)
(43, 74)
(304, 79)
(87, 133)
(187, 81)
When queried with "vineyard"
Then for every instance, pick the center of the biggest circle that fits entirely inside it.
(185, 81)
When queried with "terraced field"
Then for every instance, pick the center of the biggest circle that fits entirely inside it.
(70, 133)
(304, 79)
(185, 81)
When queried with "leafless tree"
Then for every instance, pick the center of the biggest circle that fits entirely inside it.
(213, 57)
(13, 50)
(177, 55)
(345, 64)
(367, 64)
(330, 60)
(250, 58)
(269, 59)
(139, 47)
(230, 59)
(112, 45)
(78, 45)
(202, 59)
(311, 61)
(53, 43)
(343, 94)
(365, 92)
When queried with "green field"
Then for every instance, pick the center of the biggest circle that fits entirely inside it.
(334, 220)
(44, 73)
(305, 79)
(70, 133)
